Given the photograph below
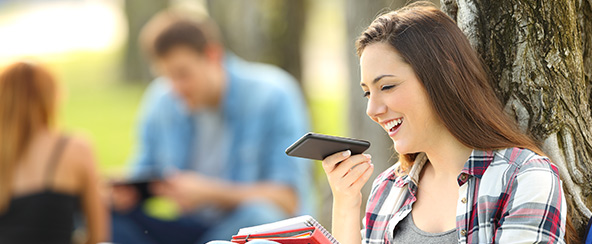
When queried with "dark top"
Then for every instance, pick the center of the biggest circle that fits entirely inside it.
(43, 217)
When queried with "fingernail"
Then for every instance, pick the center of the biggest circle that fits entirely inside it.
(346, 153)
(368, 156)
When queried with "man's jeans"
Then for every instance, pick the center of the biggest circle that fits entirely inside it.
(137, 228)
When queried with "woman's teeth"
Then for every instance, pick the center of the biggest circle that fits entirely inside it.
(390, 125)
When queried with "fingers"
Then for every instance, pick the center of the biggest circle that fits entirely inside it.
(124, 198)
(349, 164)
(160, 188)
(343, 161)
(330, 162)
(347, 174)
(363, 178)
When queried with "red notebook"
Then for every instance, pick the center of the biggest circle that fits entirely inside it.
(298, 230)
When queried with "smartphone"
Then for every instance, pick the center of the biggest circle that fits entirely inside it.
(318, 146)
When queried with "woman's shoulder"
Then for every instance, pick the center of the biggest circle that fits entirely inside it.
(78, 153)
(519, 163)
(521, 158)
(72, 161)
(78, 144)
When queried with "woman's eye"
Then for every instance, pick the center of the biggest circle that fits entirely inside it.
(366, 94)
(384, 88)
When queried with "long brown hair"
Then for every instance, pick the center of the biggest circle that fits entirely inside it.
(454, 76)
(27, 104)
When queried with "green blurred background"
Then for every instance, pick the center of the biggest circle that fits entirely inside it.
(92, 47)
(101, 95)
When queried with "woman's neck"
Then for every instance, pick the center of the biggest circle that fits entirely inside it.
(448, 156)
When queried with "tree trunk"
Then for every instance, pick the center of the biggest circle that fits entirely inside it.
(138, 12)
(539, 55)
(267, 31)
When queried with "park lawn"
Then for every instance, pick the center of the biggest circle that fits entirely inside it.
(99, 105)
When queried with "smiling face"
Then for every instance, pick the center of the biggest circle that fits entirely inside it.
(397, 100)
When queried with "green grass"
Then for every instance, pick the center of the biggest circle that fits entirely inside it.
(98, 104)
(102, 107)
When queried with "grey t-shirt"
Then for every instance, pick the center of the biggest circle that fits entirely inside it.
(212, 143)
(407, 232)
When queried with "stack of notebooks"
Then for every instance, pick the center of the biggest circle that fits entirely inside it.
(299, 230)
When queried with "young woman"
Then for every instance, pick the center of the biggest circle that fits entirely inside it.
(45, 176)
(466, 173)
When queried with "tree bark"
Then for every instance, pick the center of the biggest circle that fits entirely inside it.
(539, 55)
(267, 31)
(138, 12)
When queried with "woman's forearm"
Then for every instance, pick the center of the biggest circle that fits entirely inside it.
(346, 222)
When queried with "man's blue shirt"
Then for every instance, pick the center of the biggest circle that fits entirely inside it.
(264, 111)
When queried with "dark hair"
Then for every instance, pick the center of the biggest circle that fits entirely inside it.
(455, 78)
(181, 33)
(173, 28)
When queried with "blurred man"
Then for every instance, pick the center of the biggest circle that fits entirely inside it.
(215, 127)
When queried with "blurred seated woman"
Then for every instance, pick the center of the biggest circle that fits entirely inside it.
(45, 175)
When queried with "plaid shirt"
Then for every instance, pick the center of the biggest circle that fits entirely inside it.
(506, 196)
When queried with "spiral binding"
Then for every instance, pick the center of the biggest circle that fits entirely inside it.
(313, 223)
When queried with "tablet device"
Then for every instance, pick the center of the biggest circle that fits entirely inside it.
(319, 146)
(142, 186)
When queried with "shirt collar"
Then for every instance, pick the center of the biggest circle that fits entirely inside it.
(420, 161)
(475, 166)
(413, 175)
(231, 95)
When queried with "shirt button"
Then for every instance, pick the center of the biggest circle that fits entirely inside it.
(463, 177)
(463, 232)
(463, 200)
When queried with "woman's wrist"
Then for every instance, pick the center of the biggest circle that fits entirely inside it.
(348, 202)
(346, 221)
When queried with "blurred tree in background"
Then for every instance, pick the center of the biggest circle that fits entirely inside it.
(267, 31)
(138, 12)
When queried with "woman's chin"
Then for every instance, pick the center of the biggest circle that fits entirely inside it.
(400, 147)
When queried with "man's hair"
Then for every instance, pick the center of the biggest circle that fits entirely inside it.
(173, 28)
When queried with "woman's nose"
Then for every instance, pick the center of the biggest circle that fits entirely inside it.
(375, 107)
